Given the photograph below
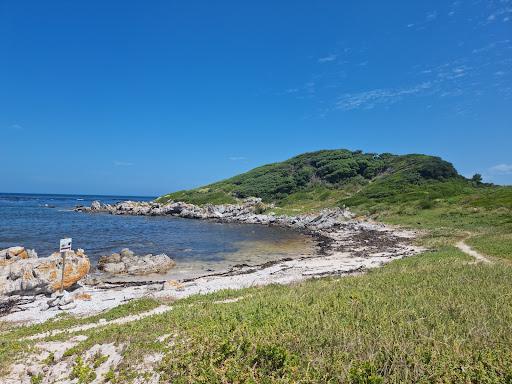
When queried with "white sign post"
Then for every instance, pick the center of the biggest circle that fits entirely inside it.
(65, 245)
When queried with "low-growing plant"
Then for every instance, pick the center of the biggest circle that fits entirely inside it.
(260, 208)
(82, 372)
(364, 373)
(270, 359)
(98, 359)
(426, 204)
(50, 359)
(110, 376)
(36, 379)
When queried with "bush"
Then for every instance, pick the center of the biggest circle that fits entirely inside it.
(260, 209)
(340, 169)
(426, 204)
(476, 178)
(270, 359)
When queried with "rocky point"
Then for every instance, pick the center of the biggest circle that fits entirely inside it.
(245, 212)
(22, 272)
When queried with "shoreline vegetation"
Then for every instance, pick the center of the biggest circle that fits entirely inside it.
(437, 316)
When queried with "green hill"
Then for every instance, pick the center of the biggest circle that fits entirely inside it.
(416, 191)
(328, 178)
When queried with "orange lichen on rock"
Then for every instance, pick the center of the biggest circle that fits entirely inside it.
(22, 272)
(75, 268)
(83, 296)
(23, 254)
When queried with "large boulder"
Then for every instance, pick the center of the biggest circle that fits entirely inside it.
(20, 275)
(126, 262)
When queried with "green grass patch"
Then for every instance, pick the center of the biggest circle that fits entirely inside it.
(201, 196)
(456, 211)
(309, 200)
(498, 245)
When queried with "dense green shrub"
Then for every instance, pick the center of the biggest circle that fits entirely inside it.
(333, 169)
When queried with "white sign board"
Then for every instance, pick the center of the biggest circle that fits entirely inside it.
(65, 245)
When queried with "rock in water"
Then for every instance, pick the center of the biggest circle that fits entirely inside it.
(96, 205)
(30, 275)
(126, 262)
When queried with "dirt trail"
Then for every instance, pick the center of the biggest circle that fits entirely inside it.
(471, 252)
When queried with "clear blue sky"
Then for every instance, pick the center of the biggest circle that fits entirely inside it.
(146, 97)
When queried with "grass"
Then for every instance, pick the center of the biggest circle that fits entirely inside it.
(309, 200)
(430, 318)
(455, 211)
(498, 245)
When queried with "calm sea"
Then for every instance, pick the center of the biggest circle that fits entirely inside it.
(39, 221)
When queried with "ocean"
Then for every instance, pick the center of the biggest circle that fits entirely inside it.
(39, 221)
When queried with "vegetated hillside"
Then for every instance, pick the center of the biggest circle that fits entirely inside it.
(328, 175)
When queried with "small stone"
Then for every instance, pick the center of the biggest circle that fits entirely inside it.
(32, 371)
(67, 307)
(57, 294)
(66, 299)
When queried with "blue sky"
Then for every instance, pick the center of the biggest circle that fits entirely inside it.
(144, 98)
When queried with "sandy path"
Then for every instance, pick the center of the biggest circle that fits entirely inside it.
(121, 320)
(85, 327)
(471, 252)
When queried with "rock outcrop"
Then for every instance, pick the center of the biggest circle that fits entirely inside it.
(23, 273)
(12, 254)
(126, 262)
(245, 212)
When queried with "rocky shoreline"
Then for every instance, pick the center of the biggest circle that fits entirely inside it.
(345, 246)
(246, 212)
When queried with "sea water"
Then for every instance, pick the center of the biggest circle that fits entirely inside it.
(38, 221)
